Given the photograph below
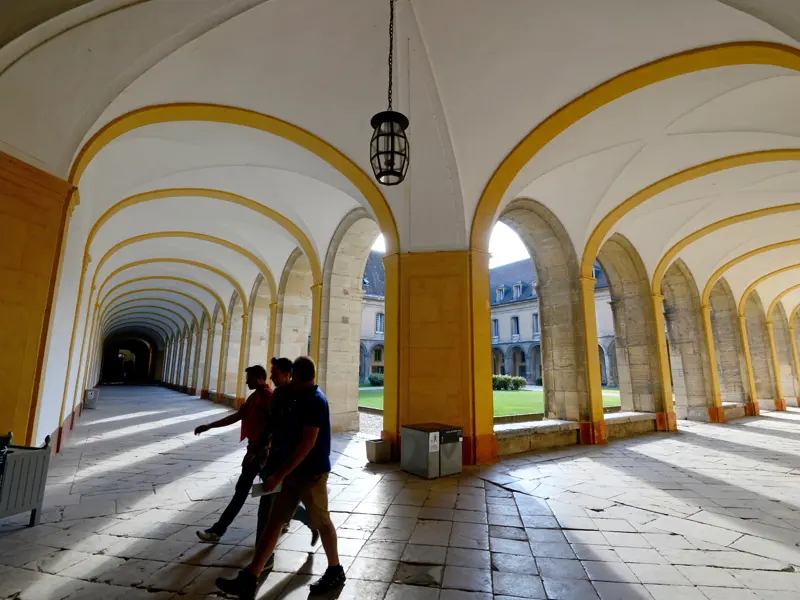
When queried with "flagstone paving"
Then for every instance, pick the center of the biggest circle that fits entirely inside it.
(710, 513)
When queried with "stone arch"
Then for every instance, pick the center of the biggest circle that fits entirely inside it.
(516, 362)
(760, 351)
(688, 352)
(190, 354)
(217, 342)
(634, 325)
(340, 327)
(260, 330)
(728, 343)
(498, 361)
(562, 332)
(183, 351)
(603, 372)
(535, 359)
(783, 348)
(233, 348)
(198, 365)
(293, 321)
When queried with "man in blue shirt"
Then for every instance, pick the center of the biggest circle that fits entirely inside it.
(302, 443)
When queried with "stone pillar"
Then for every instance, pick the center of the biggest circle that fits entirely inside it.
(611, 377)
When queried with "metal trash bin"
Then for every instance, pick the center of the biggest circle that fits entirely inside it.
(431, 450)
(90, 398)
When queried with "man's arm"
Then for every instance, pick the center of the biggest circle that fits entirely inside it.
(306, 444)
(224, 422)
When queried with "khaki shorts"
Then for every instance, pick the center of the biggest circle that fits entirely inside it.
(311, 491)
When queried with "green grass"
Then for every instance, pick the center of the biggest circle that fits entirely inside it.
(505, 403)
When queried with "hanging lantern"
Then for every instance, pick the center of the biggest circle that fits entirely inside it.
(389, 148)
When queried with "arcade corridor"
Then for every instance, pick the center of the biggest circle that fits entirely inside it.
(660, 516)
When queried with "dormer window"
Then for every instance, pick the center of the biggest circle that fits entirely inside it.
(516, 291)
(596, 271)
(499, 294)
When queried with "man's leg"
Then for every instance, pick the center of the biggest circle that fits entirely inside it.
(242, 491)
(315, 498)
(264, 508)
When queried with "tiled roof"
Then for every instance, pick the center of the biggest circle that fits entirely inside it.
(374, 282)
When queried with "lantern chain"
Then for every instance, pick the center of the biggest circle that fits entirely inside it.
(391, 48)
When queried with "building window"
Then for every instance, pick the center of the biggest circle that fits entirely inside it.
(535, 323)
(495, 328)
(499, 294)
(596, 271)
(514, 325)
(379, 318)
(516, 291)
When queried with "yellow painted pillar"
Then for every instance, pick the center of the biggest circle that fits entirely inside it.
(795, 359)
(752, 407)
(273, 318)
(207, 364)
(223, 355)
(780, 402)
(665, 421)
(716, 414)
(198, 341)
(188, 362)
(432, 374)
(483, 403)
(239, 394)
(88, 360)
(316, 319)
(593, 431)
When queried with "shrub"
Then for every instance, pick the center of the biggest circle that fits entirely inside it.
(376, 379)
(517, 383)
(500, 382)
(538, 381)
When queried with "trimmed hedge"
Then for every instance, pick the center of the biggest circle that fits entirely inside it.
(507, 382)
(376, 379)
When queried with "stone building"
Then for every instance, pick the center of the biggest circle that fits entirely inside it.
(516, 322)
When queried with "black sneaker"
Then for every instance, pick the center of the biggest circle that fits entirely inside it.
(314, 537)
(332, 579)
(243, 587)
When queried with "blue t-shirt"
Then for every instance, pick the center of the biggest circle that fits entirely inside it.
(308, 408)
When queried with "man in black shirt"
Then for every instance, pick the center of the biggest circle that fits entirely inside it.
(303, 445)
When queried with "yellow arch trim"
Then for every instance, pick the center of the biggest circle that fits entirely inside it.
(178, 112)
(108, 314)
(179, 261)
(780, 297)
(297, 233)
(132, 311)
(673, 252)
(748, 290)
(205, 288)
(698, 59)
(112, 305)
(166, 290)
(191, 235)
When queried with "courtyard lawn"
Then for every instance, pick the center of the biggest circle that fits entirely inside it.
(505, 403)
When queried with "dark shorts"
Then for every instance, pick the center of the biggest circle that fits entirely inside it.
(311, 491)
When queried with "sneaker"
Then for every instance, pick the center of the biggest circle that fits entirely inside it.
(285, 528)
(314, 536)
(332, 579)
(208, 536)
(243, 587)
(270, 564)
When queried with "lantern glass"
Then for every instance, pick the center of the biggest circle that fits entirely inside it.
(389, 147)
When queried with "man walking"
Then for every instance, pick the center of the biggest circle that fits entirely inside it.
(304, 446)
(252, 414)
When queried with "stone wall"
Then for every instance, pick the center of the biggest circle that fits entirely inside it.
(728, 344)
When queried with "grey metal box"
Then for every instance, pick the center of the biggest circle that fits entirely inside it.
(431, 450)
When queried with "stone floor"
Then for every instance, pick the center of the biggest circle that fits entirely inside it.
(710, 513)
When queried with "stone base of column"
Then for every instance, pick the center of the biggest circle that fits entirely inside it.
(394, 438)
(480, 449)
(716, 414)
(751, 409)
(193, 391)
(204, 394)
(780, 404)
(593, 432)
(666, 421)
